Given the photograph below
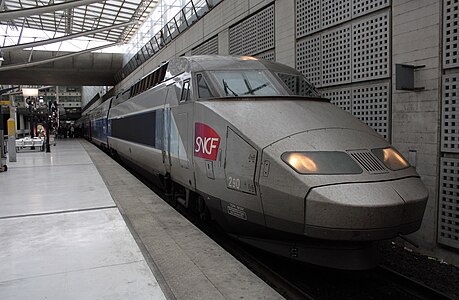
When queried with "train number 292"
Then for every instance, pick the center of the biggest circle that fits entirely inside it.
(234, 183)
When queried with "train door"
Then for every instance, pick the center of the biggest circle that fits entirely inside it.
(166, 135)
(180, 135)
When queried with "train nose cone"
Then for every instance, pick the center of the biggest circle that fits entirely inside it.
(365, 211)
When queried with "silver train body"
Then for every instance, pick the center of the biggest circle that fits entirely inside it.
(277, 166)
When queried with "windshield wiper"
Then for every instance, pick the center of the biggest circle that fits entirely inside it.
(227, 88)
(251, 91)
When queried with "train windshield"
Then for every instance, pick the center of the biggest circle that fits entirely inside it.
(298, 85)
(245, 83)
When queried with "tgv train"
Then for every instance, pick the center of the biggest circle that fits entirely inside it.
(250, 143)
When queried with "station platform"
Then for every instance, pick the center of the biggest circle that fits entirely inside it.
(74, 224)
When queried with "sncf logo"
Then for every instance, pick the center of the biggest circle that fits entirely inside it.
(206, 142)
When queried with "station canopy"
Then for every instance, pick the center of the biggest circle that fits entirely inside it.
(98, 22)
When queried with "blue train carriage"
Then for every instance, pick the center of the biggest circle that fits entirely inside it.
(98, 123)
(83, 125)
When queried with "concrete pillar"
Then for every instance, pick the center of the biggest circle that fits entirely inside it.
(285, 32)
(223, 42)
(416, 115)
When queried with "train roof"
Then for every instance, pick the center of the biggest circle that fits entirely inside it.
(220, 62)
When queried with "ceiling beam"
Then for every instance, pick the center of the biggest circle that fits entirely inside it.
(63, 38)
(54, 77)
(44, 61)
(19, 13)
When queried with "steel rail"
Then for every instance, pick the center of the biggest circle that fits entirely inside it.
(413, 286)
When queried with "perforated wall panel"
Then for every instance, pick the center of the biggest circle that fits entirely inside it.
(307, 17)
(370, 103)
(335, 12)
(451, 34)
(336, 56)
(309, 58)
(448, 220)
(315, 15)
(209, 47)
(265, 29)
(450, 113)
(341, 97)
(254, 34)
(249, 33)
(268, 55)
(332, 54)
(212, 46)
(199, 49)
(370, 48)
(235, 38)
(362, 7)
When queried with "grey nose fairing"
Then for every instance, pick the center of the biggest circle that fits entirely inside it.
(352, 207)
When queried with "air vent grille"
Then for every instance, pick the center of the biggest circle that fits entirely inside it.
(368, 161)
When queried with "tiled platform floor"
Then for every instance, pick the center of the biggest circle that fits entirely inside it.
(61, 235)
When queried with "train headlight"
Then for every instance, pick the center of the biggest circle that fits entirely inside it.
(321, 162)
(391, 158)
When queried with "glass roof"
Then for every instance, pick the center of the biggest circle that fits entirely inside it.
(56, 23)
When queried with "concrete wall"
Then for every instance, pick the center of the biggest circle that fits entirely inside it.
(415, 115)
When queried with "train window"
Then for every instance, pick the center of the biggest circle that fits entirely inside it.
(246, 83)
(162, 72)
(141, 86)
(131, 91)
(185, 91)
(150, 81)
(155, 78)
(298, 85)
(203, 88)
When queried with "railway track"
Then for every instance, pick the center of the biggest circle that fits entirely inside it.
(321, 283)
(414, 287)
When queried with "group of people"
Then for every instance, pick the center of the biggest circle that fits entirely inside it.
(66, 131)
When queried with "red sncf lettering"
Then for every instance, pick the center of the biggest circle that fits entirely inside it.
(207, 142)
